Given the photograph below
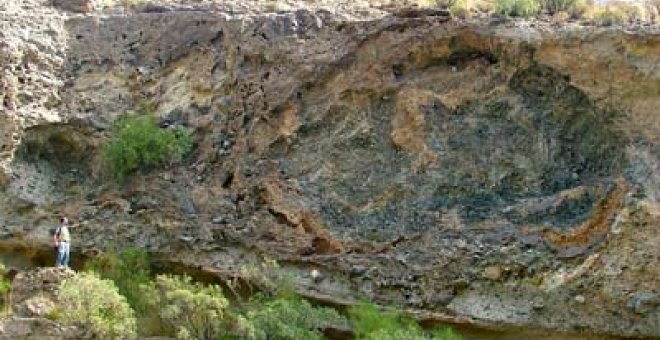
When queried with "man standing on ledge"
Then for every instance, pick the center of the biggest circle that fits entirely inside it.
(61, 240)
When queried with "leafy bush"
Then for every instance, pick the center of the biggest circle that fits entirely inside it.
(189, 310)
(366, 319)
(5, 290)
(569, 6)
(517, 8)
(460, 8)
(96, 306)
(129, 269)
(287, 318)
(139, 143)
(370, 323)
(610, 16)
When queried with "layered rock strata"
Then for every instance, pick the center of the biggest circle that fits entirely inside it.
(501, 171)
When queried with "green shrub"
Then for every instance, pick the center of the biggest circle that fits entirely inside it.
(55, 315)
(517, 8)
(129, 269)
(96, 306)
(370, 323)
(139, 144)
(287, 318)
(610, 16)
(460, 8)
(187, 309)
(5, 290)
(366, 319)
(554, 6)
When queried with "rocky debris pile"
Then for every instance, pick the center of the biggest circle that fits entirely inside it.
(34, 297)
(34, 292)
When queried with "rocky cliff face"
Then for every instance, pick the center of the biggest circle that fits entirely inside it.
(505, 172)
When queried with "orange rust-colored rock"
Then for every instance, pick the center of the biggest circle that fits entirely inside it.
(596, 226)
(408, 126)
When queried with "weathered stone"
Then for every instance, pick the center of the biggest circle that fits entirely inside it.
(79, 6)
(39, 306)
(492, 273)
(441, 299)
(185, 238)
(644, 302)
(357, 271)
(316, 276)
(34, 293)
(35, 328)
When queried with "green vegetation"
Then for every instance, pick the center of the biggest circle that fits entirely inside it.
(189, 310)
(129, 269)
(288, 318)
(95, 305)
(177, 306)
(139, 144)
(370, 323)
(518, 8)
(5, 290)
(610, 16)
(460, 8)
(568, 6)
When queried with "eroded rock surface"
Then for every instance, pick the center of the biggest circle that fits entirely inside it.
(34, 295)
(489, 170)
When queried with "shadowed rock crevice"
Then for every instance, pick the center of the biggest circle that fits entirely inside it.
(53, 162)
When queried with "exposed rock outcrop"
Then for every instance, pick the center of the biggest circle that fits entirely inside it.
(422, 150)
(33, 297)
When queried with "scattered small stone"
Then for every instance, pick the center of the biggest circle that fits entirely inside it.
(441, 299)
(402, 259)
(218, 220)
(317, 276)
(185, 238)
(538, 305)
(460, 284)
(358, 271)
(580, 299)
(492, 273)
